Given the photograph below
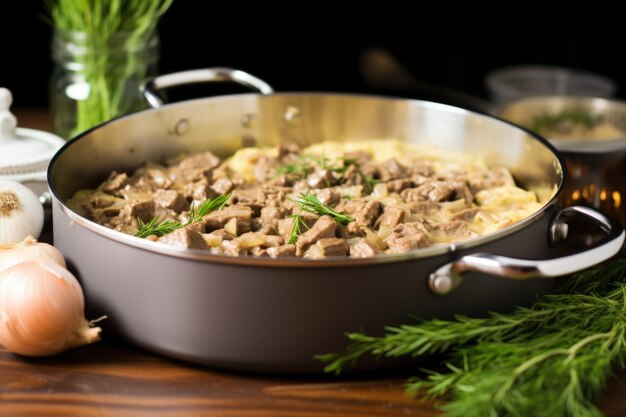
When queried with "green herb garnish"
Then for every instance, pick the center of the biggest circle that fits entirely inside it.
(309, 202)
(296, 230)
(553, 359)
(565, 121)
(160, 228)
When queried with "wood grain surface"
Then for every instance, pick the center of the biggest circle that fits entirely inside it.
(112, 378)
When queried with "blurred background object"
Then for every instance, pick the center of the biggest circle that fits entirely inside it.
(452, 44)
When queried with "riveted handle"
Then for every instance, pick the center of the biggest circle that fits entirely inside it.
(448, 277)
(206, 75)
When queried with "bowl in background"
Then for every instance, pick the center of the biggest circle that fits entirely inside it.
(590, 132)
(514, 82)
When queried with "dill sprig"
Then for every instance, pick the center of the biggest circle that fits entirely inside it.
(296, 230)
(553, 359)
(309, 202)
(163, 227)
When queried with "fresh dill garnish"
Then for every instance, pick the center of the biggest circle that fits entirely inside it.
(156, 227)
(553, 359)
(296, 230)
(309, 202)
(161, 228)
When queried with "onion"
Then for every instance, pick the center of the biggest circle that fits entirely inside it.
(42, 309)
(21, 213)
(29, 249)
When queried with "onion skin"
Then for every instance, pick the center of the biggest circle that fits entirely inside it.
(42, 309)
(29, 249)
(21, 213)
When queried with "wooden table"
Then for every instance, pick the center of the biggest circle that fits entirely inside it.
(112, 378)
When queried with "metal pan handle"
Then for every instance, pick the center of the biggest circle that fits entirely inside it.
(449, 276)
(206, 75)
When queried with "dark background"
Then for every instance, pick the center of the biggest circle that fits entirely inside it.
(319, 46)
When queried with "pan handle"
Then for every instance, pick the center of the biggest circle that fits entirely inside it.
(448, 277)
(206, 75)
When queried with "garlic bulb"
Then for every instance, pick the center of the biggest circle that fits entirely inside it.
(42, 309)
(21, 213)
(29, 249)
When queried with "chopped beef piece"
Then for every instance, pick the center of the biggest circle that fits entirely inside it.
(232, 248)
(406, 237)
(395, 186)
(351, 230)
(267, 229)
(200, 190)
(462, 191)
(421, 207)
(434, 191)
(283, 251)
(114, 182)
(273, 240)
(421, 169)
(352, 176)
(197, 166)
(217, 219)
(495, 177)
(172, 200)
(392, 216)
(466, 214)
(285, 226)
(199, 227)
(321, 178)
(326, 248)
(363, 249)
(184, 238)
(329, 196)
(222, 185)
(104, 200)
(351, 207)
(323, 228)
(271, 215)
(145, 210)
(455, 227)
(392, 170)
(247, 195)
(369, 213)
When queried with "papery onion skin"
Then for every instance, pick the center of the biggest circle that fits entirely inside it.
(21, 213)
(29, 249)
(42, 309)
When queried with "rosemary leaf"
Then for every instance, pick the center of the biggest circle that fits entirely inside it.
(309, 202)
(296, 230)
(553, 359)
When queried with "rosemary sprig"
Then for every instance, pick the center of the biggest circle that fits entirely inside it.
(160, 228)
(309, 202)
(548, 123)
(552, 359)
(296, 230)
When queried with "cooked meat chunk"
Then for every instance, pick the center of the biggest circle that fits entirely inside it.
(197, 166)
(283, 251)
(222, 185)
(323, 228)
(271, 215)
(363, 249)
(455, 227)
(218, 219)
(351, 230)
(329, 196)
(392, 216)
(392, 170)
(171, 199)
(232, 248)
(321, 178)
(406, 237)
(115, 182)
(326, 248)
(369, 213)
(145, 210)
(184, 238)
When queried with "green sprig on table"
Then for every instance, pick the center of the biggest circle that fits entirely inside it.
(553, 359)
(107, 25)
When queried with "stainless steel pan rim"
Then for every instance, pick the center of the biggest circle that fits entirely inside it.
(200, 255)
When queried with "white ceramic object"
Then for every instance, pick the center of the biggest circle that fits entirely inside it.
(24, 153)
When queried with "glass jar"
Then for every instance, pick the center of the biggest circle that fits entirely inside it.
(94, 81)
